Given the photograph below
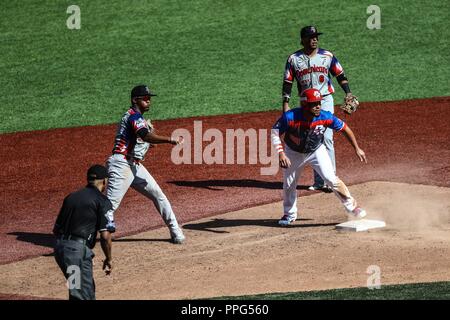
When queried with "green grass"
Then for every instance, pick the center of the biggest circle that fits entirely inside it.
(417, 291)
(204, 57)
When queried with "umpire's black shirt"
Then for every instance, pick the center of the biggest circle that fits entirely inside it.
(82, 214)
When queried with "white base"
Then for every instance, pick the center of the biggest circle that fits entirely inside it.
(361, 225)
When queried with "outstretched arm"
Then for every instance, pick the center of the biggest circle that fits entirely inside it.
(348, 133)
(156, 139)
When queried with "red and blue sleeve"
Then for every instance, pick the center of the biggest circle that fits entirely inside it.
(139, 125)
(335, 67)
(337, 124)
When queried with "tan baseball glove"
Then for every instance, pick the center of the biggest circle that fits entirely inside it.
(350, 104)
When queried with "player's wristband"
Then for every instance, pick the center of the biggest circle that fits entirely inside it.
(286, 99)
(279, 148)
(346, 88)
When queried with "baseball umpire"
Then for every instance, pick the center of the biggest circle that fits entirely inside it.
(133, 139)
(313, 67)
(82, 214)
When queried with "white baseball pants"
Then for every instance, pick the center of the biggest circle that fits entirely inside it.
(321, 163)
(124, 173)
(327, 104)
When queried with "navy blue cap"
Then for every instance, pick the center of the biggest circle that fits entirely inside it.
(97, 172)
(141, 91)
(309, 31)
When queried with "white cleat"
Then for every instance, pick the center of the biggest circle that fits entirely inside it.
(177, 236)
(178, 239)
(286, 220)
(358, 212)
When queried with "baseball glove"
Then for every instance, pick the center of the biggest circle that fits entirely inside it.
(350, 104)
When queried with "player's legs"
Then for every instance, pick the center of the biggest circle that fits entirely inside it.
(290, 180)
(120, 178)
(327, 105)
(145, 184)
(321, 163)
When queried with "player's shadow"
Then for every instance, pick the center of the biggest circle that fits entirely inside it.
(214, 224)
(219, 185)
(40, 239)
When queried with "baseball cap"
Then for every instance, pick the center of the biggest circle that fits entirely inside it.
(311, 95)
(140, 91)
(309, 31)
(97, 172)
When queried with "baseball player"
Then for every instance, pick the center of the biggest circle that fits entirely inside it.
(303, 130)
(313, 67)
(133, 139)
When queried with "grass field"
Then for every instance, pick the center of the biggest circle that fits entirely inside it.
(417, 291)
(204, 57)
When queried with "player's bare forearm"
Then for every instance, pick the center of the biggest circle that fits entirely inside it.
(348, 133)
(285, 106)
(106, 243)
(156, 139)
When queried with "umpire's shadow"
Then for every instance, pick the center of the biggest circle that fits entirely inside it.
(40, 239)
(211, 225)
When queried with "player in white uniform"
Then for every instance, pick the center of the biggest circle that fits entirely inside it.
(133, 139)
(303, 133)
(313, 67)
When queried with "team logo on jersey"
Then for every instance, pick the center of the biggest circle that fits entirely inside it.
(318, 130)
(140, 123)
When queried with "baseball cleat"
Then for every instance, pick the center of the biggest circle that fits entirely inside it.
(178, 239)
(358, 212)
(286, 220)
(323, 188)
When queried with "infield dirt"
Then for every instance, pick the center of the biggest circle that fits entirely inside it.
(405, 141)
(245, 252)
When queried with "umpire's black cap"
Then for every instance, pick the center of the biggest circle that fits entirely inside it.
(141, 91)
(97, 172)
(309, 31)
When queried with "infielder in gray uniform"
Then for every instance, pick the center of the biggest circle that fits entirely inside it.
(314, 67)
(133, 139)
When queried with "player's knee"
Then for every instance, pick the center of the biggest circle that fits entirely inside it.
(331, 181)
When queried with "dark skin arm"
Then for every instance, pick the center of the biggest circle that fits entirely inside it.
(342, 83)
(106, 243)
(157, 139)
